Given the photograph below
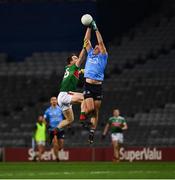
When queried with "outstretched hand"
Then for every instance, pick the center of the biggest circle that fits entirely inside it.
(94, 25)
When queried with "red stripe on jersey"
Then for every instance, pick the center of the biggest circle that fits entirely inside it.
(116, 124)
(76, 74)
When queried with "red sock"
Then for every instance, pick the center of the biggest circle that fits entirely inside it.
(82, 116)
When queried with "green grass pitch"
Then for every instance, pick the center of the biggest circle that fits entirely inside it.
(87, 170)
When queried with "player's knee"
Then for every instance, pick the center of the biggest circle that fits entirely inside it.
(70, 120)
(55, 144)
(90, 110)
(60, 148)
(117, 145)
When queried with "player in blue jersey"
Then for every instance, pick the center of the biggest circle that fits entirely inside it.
(94, 75)
(53, 116)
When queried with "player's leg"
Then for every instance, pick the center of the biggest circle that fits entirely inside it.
(116, 148)
(76, 97)
(88, 98)
(90, 107)
(95, 94)
(55, 147)
(60, 138)
(64, 101)
(94, 120)
(87, 105)
(117, 140)
(83, 112)
(40, 150)
(61, 144)
(87, 110)
(95, 116)
(69, 118)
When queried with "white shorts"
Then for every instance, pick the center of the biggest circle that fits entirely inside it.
(41, 143)
(117, 137)
(64, 100)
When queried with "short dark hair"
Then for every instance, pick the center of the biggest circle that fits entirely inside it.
(116, 109)
(69, 59)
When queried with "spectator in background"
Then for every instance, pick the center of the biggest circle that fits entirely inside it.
(53, 116)
(117, 124)
(40, 136)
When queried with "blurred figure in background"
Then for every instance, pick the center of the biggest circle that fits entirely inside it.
(117, 124)
(40, 136)
(53, 117)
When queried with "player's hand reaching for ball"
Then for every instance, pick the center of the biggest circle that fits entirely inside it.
(94, 25)
(85, 44)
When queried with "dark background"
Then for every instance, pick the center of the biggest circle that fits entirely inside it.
(55, 26)
(37, 36)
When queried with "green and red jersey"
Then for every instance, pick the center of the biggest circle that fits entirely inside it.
(116, 124)
(70, 79)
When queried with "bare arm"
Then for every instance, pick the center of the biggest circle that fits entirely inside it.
(86, 47)
(87, 39)
(81, 58)
(106, 129)
(44, 121)
(125, 126)
(100, 42)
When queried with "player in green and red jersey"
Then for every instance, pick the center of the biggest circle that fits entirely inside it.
(117, 124)
(67, 95)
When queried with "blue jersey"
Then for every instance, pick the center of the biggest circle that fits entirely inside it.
(53, 116)
(95, 65)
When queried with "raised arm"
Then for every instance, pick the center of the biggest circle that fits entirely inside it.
(100, 42)
(87, 39)
(99, 38)
(81, 57)
(86, 47)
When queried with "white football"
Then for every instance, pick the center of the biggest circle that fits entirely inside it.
(86, 19)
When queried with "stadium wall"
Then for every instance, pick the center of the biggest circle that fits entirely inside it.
(92, 154)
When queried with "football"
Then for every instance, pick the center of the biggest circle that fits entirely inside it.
(86, 19)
